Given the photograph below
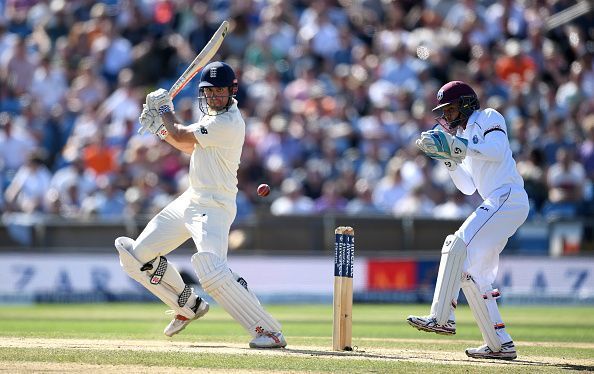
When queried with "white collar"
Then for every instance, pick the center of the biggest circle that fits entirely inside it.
(472, 118)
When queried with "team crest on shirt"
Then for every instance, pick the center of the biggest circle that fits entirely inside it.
(475, 139)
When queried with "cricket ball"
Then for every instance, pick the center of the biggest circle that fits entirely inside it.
(263, 190)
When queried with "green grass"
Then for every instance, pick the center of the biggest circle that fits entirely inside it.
(549, 339)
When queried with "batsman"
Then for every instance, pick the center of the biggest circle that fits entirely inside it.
(473, 145)
(204, 212)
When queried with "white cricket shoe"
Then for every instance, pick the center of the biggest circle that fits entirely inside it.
(507, 352)
(269, 340)
(429, 324)
(179, 322)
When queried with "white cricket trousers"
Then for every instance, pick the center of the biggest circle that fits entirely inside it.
(486, 231)
(203, 216)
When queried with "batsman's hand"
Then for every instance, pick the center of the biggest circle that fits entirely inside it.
(442, 145)
(160, 101)
(150, 121)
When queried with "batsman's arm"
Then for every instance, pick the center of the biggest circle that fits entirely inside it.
(180, 136)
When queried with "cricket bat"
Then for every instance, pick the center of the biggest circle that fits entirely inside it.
(209, 50)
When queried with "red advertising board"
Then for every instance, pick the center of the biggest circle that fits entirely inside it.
(392, 275)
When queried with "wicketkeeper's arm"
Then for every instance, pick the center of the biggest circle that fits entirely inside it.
(492, 149)
(463, 180)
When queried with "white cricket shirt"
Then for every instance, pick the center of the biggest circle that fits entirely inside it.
(488, 164)
(215, 160)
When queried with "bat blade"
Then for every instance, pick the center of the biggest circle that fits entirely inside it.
(209, 50)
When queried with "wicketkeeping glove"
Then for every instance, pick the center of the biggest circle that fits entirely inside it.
(150, 121)
(444, 145)
(428, 147)
(450, 164)
(160, 101)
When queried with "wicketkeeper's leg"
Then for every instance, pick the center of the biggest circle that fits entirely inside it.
(486, 313)
(447, 286)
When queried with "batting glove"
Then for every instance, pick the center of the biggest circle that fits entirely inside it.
(150, 121)
(160, 101)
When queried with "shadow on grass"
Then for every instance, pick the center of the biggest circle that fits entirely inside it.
(409, 356)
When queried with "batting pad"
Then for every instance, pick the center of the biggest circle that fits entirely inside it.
(218, 281)
(169, 287)
(453, 254)
(480, 312)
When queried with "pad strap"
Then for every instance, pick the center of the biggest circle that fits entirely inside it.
(184, 296)
(160, 272)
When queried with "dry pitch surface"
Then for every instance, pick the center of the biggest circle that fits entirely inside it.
(530, 363)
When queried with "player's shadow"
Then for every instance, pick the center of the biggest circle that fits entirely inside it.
(566, 366)
(361, 353)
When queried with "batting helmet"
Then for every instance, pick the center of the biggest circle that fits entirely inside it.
(217, 74)
(461, 94)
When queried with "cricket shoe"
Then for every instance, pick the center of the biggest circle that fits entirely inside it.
(507, 352)
(429, 324)
(269, 340)
(179, 322)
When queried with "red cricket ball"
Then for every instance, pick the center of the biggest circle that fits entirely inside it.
(263, 190)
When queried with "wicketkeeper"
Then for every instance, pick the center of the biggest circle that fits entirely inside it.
(475, 149)
(204, 212)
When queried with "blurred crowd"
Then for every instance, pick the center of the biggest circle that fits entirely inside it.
(334, 92)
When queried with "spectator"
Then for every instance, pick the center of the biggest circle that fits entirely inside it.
(362, 204)
(566, 182)
(88, 89)
(14, 147)
(99, 157)
(515, 67)
(455, 207)
(106, 202)
(71, 178)
(391, 187)
(415, 203)
(114, 50)
(554, 139)
(49, 84)
(27, 190)
(292, 200)
(16, 67)
(121, 106)
(533, 171)
(331, 200)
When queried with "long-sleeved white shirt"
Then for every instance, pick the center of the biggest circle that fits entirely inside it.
(489, 163)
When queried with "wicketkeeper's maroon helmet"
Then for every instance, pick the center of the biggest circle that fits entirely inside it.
(460, 93)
